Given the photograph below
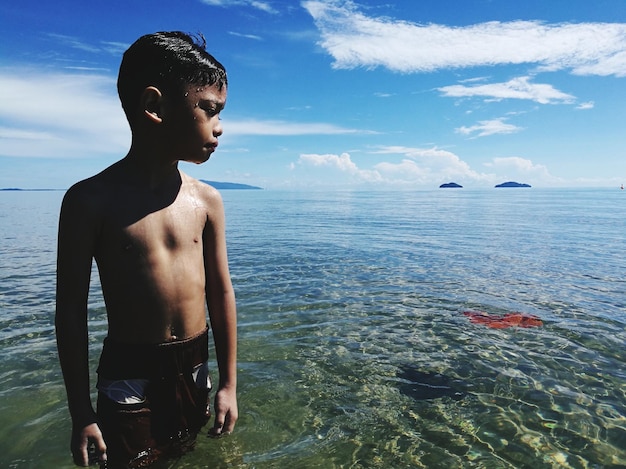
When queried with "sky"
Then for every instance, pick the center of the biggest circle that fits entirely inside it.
(334, 94)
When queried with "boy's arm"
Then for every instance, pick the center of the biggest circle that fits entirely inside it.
(76, 241)
(223, 317)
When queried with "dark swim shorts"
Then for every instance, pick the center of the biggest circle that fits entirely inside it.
(152, 399)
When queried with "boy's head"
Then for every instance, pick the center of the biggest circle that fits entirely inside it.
(169, 61)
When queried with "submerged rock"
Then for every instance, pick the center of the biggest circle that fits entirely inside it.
(424, 385)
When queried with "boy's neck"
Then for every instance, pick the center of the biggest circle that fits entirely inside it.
(148, 169)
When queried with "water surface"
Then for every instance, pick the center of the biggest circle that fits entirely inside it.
(350, 308)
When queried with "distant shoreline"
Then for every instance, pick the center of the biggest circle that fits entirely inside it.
(19, 189)
(216, 184)
(230, 185)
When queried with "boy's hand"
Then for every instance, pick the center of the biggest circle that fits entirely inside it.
(226, 412)
(88, 446)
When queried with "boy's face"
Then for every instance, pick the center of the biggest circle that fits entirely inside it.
(192, 124)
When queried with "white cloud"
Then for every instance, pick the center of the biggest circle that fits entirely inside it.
(489, 127)
(417, 167)
(516, 168)
(425, 167)
(263, 6)
(60, 115)
(343, 163)
(585, 106)
(405, 172)
(517, 88)
(356, 40)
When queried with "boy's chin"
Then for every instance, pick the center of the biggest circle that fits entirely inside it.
(204, 159)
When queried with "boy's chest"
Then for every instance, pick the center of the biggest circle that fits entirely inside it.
(134, 232)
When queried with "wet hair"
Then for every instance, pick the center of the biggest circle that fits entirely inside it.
(169, 61)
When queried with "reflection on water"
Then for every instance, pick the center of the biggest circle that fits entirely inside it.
(354, 350)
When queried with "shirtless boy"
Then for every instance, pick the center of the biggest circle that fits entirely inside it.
(158, 238)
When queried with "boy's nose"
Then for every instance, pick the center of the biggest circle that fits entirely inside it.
(217, 130)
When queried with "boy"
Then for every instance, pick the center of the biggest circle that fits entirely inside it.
(158, 238)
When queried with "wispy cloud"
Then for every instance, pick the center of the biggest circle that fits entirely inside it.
(263, 6)
(585, 106)
(73, 42)
(489, 127)
(273, 128)
(517, 88)
(8, 133)
(113, 48)
(78, 116)
(246, 36)
(356, 40)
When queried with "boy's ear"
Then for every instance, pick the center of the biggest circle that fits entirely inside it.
(152, 104)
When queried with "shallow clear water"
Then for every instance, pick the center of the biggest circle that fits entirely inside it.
(350, 307)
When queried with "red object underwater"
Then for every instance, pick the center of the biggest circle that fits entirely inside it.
(496, 321)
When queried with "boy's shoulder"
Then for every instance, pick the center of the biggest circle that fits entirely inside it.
(88, 188)
(204, 191)
(92, 194)
(100, 181)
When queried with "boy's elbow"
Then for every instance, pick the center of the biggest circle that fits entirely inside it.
(223, 292)
(69, 318)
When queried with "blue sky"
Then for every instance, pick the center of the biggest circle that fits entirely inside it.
(403, 94)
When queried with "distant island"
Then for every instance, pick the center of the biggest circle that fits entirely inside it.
(230, 185)
(450, 185)
(512, 184)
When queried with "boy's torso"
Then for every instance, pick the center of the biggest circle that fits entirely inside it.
(149, 252)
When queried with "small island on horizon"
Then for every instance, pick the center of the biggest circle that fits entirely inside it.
(513, 184)
(454, 185)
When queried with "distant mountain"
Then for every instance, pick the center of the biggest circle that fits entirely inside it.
(230, 185)
(450, 185)
(512, 184)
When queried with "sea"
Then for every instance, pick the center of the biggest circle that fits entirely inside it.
(354, 349)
